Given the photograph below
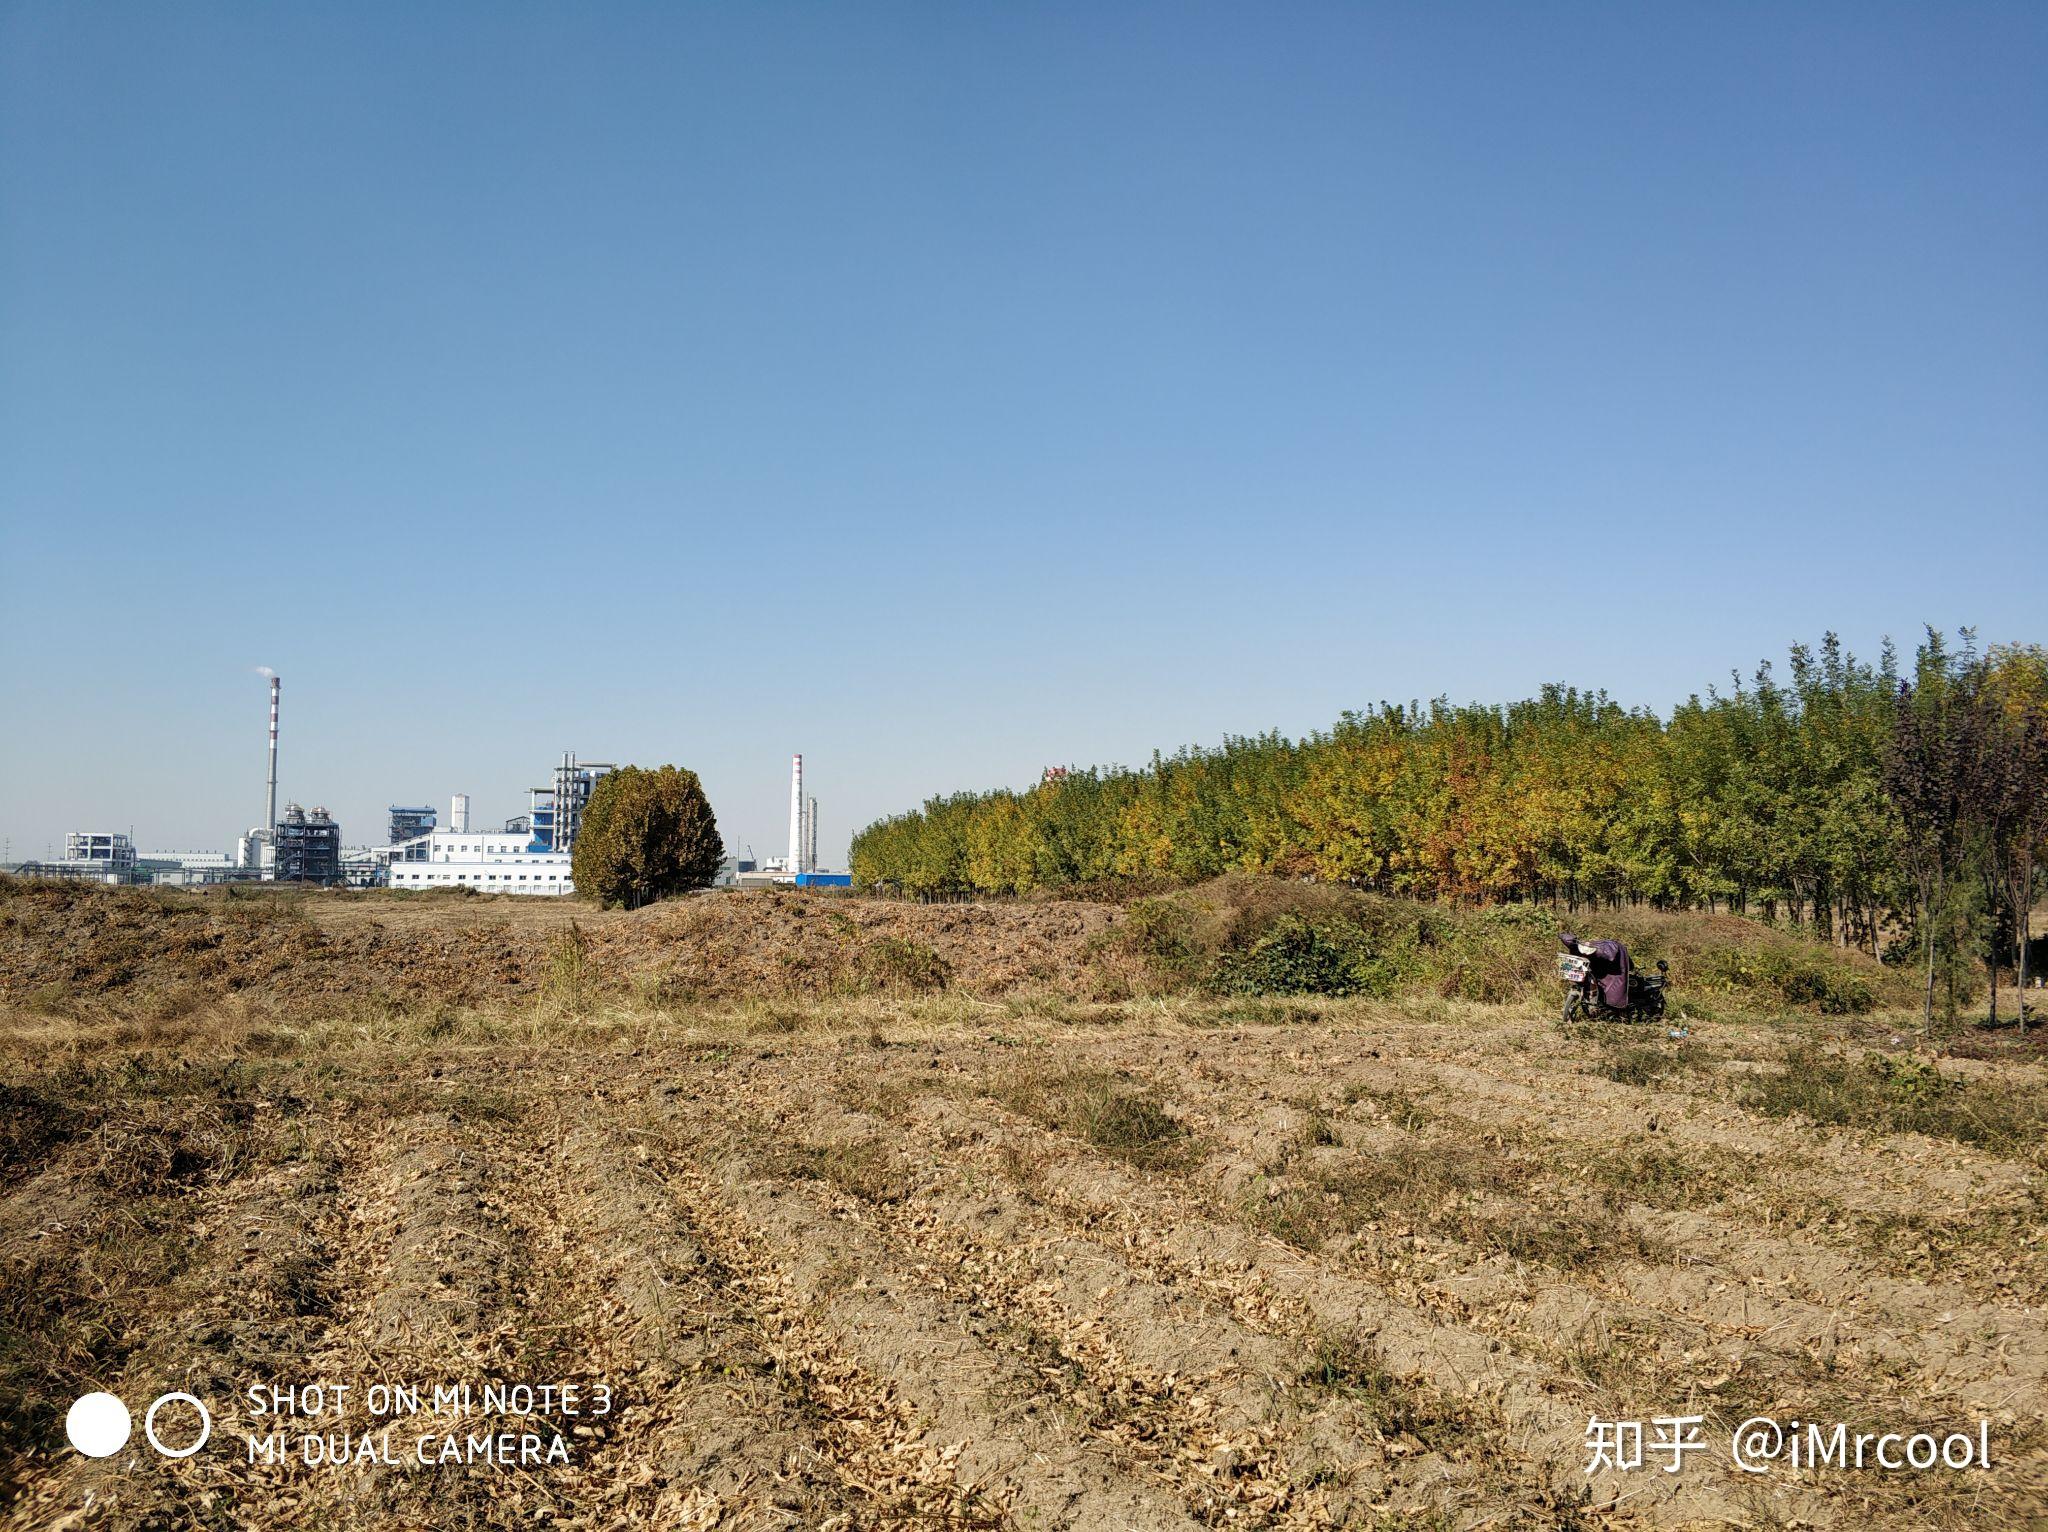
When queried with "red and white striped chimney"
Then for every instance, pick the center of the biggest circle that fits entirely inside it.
(270, 802)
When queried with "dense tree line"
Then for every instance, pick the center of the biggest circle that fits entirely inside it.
(1786, 797)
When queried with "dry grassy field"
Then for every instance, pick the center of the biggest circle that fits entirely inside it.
(869, 1215)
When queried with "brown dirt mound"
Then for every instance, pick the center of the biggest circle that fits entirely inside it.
(64, 943)
(153, 952)
(768, 943)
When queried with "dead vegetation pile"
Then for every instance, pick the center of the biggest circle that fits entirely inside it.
(787, 943)
(130, 951)
(138, 948)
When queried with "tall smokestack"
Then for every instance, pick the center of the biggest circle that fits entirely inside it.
(796, 813)
(810, 835)
(270, 799)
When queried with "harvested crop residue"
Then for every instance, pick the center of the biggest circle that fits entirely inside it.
(908, 1255)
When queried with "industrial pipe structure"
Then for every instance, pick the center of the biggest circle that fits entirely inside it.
(796, 815)
(270, 800)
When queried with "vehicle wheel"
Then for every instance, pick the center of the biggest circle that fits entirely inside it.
(1655, 1008)
(1571, 1006)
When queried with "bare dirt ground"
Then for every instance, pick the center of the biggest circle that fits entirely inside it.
(1006, 1259)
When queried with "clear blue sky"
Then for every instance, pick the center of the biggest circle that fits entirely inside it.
(949, 390)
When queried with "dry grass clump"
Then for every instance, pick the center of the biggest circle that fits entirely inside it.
(863, 1168)
(147, 1147)
(1928, 1247)
(1350, 1366)
(67, 1306)
(1645, 1057)
(125, 1146)
(35, 1120)
(1470, 1191)
(898, 965)
(1635, 1064)
(1635, 1171)
(1098, 1106)
(147, 1124)
(1889, 1094)
(1398, 1107)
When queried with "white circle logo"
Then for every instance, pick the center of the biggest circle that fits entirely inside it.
(98, 1425)
(149, 1425)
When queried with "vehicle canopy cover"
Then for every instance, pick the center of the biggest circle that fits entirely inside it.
(1610, 967)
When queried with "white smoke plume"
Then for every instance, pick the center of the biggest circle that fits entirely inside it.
(265, 671)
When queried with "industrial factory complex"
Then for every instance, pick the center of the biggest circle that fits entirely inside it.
(528, 854)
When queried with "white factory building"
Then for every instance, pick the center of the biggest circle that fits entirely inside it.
(489, 861)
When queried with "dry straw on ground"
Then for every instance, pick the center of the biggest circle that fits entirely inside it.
(1022, 1237)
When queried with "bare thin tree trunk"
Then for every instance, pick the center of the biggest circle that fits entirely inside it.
(2026, 934)
(1993, 889)
(1927, 921)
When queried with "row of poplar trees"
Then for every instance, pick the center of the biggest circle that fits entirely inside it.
(1882, 805)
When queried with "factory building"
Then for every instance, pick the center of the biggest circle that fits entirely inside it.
(92, 856)
(490, 861)
(115, 852)
(529, 856)
(187, 867)
(556, 810)
(190, 861)
(363, 866)
(306, 847)
(409, 824)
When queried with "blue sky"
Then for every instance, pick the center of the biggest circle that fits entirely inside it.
(946, 391)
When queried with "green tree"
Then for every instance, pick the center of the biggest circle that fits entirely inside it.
(1929, 772)
(646, 835)
(2019, 688)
